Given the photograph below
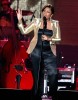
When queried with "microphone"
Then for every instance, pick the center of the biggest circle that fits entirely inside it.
(44, 22)
(33, 16)
(44, 18)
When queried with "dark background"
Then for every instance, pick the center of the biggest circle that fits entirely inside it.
(67, 14)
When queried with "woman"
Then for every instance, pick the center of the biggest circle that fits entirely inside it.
(42, 48)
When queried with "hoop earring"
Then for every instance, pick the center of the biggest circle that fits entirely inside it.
(50, 18)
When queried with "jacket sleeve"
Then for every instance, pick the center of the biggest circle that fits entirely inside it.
(56, 38)
(26, 30)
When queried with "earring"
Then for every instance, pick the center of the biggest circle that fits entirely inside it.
(50, 18)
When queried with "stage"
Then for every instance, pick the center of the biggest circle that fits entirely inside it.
(27, 95)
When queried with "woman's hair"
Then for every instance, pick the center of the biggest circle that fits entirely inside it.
(49, 6)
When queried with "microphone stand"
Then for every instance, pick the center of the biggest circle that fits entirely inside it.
(45, 89)
(44, 27)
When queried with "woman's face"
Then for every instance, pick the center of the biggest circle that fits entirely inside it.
(47, 13)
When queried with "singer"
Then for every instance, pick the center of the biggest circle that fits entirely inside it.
(42, 49)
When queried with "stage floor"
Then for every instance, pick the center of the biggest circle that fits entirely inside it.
(27, 95)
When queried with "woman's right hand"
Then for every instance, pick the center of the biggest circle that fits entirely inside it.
(19, 14)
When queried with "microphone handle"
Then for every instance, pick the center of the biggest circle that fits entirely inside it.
(45, 22)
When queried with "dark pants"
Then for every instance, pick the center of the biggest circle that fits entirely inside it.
(48, 62)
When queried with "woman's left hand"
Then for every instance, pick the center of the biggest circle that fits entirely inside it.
(44, 37)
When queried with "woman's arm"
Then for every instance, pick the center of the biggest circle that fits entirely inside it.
(24, 30)
(56, 38)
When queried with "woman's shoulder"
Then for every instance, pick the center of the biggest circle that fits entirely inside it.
(37, 20)
(55, 20)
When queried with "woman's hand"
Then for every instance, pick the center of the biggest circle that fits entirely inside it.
(44, 37)
(19, 15)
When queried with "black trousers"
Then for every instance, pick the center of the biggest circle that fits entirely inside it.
(46, 61)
